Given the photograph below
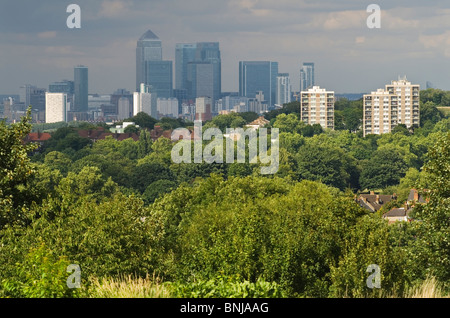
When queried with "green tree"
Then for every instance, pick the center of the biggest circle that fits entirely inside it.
(15, 170)
(328, 164)
(385, 168)
(434, 233)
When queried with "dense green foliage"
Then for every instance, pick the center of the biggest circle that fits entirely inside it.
(223, 230)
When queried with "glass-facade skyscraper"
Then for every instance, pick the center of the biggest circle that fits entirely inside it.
(159, 75)
(255, 76)
(184, 54)
(148, 48)
(307, 76)
(81, 89)
(198, 69)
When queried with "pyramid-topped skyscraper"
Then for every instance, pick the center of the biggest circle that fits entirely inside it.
(148, 48)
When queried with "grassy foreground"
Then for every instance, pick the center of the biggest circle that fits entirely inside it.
(151, 287)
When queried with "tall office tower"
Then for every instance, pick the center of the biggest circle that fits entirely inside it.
(200, 80)
(307, 76)
(37, 99)
(145, 101)
(167, 107)
(124, 108)
(283, 95)
(397, 104)
(81, 89)
(198, 69)
(55, 107)
(31, 95)
(209, 52)
(203, 108)
(159, 75)
(24, 94)
(257, 76)
(65, 86)
(148, 49)
(184, 53)
(317, 107)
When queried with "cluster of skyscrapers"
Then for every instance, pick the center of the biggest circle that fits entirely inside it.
(198, 80)
(198, 92)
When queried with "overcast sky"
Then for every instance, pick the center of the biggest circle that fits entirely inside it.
(36, 47)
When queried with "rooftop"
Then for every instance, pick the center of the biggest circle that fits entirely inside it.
(149, 35)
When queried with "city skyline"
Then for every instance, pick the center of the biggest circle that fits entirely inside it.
(349, 57)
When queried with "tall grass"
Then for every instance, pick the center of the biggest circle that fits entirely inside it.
(128, 287)
(430, 288)
(151, 287)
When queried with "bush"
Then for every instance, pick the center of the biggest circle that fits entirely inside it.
(226, 287)
(41, 275)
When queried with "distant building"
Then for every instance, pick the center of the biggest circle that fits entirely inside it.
(373, 201)
(167, 107)
(283, 93)
(81, 89)
(255, 76)
(385, 109)
(67, 87)
(148, 48)
(184, 54)
(145, 101)
(55, 107)
(159, 75)
(203, 108)
(258, 104)
(125, 108)
(307, 76)
(317, 107)
(198, 69)
(117, 96)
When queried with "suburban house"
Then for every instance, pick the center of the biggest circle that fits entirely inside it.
(402, 214)
(373, 202)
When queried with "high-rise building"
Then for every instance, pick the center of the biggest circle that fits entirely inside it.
(65, 86)
(145, 101)
(255, 76)
(34, 96)
(124, 108)
(317, 107)
(55, 107)
(203, 108)
(148, 48)
(198, 69)
(200, 80)
(159, 75)
(81, 90)
(167, 107)
(386, 108)
(307, 76)
(283, 95)
(184, 54)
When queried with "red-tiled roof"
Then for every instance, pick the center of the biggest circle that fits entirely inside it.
(37, 137)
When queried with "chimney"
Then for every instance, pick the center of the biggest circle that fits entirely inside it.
(377, 200)
(372, 193)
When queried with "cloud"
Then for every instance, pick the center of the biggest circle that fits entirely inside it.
(47, 34)
(114, 8)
